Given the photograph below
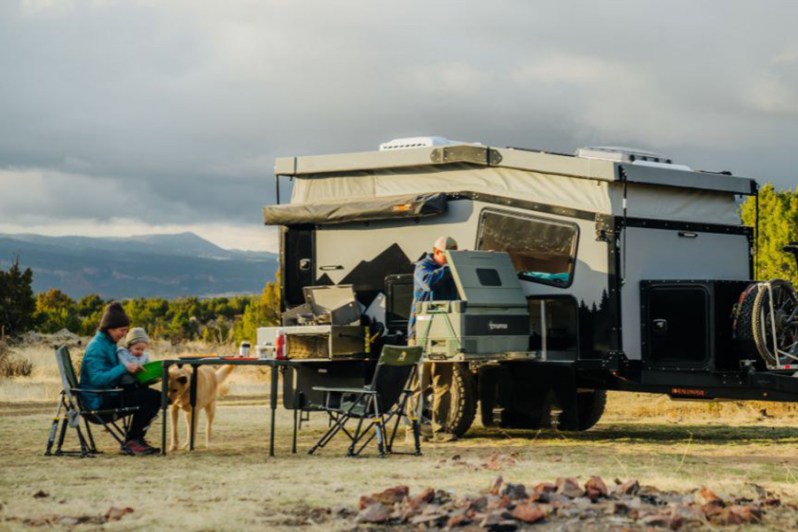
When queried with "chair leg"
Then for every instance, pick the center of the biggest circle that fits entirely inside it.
(330, 434)
(379, 428)
(84, 447)
(54, 426)
(355, 438)
(92, 445)
(61, 436)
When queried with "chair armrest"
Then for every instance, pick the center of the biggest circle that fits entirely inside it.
(112, 390)
(343, 390)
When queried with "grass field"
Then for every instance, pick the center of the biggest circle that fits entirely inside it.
(234, 485)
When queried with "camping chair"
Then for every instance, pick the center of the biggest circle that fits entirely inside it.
(70, 412)
(374, 406)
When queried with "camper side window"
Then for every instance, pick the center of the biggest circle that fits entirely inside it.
(542, 251)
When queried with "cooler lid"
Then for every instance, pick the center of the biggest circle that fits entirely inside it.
(486, 279)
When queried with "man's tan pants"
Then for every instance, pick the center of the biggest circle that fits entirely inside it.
(439, 374)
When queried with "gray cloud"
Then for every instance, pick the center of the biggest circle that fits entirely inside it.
(184, 105)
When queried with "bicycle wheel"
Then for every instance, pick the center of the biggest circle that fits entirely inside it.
(775, 323)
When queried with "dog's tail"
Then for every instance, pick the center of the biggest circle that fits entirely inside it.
(223, 372)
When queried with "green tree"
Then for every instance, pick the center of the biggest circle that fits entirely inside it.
(55, 310)
(17, 304)
(778, 226)
(263, 311)
(90, 309)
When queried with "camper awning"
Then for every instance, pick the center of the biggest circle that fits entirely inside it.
(370, 209)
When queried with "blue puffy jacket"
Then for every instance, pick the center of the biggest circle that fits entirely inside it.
(100, 369)
(431, 282)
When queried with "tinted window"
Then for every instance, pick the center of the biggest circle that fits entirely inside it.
(542, 250)
(488, 277)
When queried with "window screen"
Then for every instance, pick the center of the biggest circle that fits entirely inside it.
(541, 250)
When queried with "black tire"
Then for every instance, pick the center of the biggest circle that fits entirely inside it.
(591, 407)
(463, 408)
(744, 314)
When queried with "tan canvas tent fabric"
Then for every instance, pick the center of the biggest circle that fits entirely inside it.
(595, 196)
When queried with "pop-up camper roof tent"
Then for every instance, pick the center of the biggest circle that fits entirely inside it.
(409, 183)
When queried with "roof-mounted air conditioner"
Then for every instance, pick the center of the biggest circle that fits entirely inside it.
(418, 142)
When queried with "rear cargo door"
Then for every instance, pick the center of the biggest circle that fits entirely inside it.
(654, 254)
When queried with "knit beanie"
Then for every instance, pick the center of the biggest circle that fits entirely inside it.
(136, 335)
(114, 317)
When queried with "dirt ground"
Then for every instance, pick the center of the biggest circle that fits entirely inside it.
(234, 485)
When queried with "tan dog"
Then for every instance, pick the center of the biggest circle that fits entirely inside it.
(208, 383)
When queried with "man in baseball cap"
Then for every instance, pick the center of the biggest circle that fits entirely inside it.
(432, 281)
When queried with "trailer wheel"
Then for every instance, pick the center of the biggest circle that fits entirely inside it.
(591, 407)
(463, 407)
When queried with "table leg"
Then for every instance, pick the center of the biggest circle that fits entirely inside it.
(297, 406)
(164, 405)
(193, 401)
(273, 404)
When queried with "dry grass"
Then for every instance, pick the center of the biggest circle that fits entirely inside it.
(235, 485)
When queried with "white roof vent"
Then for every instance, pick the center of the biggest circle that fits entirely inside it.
(629, 155)
(417, 142)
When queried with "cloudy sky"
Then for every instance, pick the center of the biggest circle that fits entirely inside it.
(121, 118)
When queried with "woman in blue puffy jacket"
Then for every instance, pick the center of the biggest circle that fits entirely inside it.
(102, 370)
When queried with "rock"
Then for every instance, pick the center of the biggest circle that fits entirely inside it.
(373, 513)
(630, 487)
(41, 494)
(391, 495)
(528, 513)
(428, 519)
(480, 504)
(497, 485)
(426, 496)
(514, 491)
(542, 492)
(620, 508)
(458, 520)
(707, 496)
(498, 520)
(365, 501)
(687, 514)
(568, 487)
(661, 520)
(771, 502)
(712, 509)
(68, 521)
(595, 488)
(115, 514)
(739, 515)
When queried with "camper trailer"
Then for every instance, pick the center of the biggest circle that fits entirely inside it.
(609, 269)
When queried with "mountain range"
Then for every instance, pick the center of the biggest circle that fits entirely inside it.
(167, 266)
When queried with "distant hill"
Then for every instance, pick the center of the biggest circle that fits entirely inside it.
(139, 266)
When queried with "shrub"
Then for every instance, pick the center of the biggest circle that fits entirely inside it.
(12, 365)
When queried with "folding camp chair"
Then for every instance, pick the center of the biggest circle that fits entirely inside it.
(70, 412)
(375, 406)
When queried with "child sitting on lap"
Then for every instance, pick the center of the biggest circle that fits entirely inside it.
(135, 343)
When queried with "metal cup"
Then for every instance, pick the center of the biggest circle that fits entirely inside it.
(243, 349)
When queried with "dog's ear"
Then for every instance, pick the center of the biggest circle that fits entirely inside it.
(182, 379)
